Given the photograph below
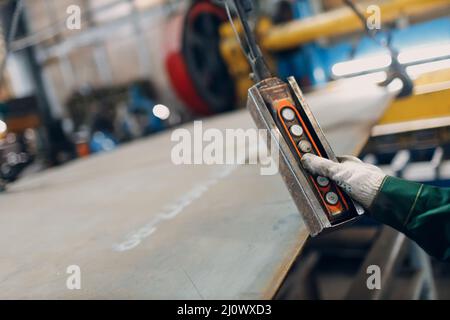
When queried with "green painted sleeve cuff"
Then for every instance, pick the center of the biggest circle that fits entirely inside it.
(395, 202)
(422, 212)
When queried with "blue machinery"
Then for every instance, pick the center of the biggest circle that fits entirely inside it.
(314, 61)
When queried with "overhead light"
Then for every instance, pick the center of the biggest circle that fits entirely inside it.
(375, 77)
(419, 69)
(161, 111)
(422, 53)
(3, 127)
(361, 82)
(408, 56)
(361, 65)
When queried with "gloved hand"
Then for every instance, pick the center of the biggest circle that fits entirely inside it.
(361, 181)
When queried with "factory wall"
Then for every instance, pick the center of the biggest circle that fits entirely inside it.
(118, 43)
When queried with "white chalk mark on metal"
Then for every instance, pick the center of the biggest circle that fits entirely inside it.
(172, 210)
(193, 284)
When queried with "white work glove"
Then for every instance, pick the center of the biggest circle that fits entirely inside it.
(360, 180)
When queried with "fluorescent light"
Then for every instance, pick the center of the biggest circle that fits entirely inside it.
(361, 65)
(375, 77)
(419, 69)
(161, 111)
(424, 53)
(408, 56)
(3, 127)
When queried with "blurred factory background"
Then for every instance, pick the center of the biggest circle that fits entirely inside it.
(134, 68)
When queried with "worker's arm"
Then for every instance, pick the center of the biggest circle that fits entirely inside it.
(421, 212)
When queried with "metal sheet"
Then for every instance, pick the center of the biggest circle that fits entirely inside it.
(190, 231)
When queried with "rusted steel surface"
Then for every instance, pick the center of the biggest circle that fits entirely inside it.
(141, 227)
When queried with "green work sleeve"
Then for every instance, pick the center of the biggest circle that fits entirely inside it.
(419, 211)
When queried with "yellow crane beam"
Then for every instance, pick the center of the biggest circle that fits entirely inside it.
(342, 21)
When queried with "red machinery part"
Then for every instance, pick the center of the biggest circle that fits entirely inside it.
(195, 68)
(183, 85)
